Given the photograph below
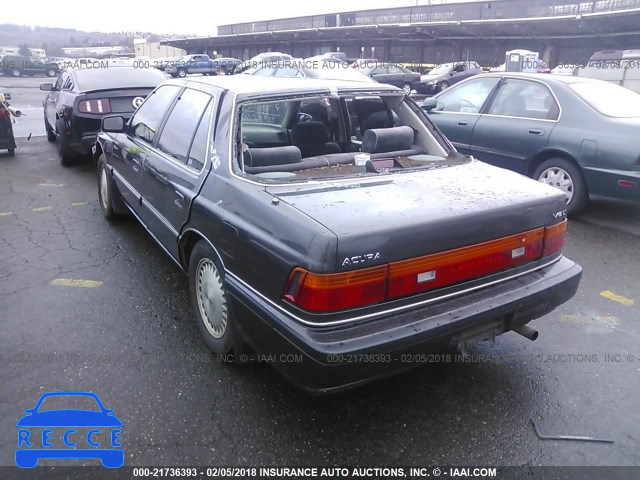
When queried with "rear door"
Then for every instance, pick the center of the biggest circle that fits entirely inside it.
(176, 166)
(459, 108)
(132, 147)
(516, 125)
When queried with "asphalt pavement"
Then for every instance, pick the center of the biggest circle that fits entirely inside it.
(87, 305)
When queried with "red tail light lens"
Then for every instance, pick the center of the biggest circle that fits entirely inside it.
(554, 238)
(336, 291)
(425, 273)
(341, 291)
(96, 107)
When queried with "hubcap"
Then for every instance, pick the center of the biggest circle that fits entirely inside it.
(104, 189)
(212, 302)
(559, 178)
(407, 89)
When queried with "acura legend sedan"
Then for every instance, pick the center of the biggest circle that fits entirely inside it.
(333, 221)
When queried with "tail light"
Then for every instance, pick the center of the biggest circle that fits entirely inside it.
(554, 238)
(322, 293)
(96, 107)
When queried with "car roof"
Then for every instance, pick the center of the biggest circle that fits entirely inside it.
(543, 77)
(116, 77)
(249, 84)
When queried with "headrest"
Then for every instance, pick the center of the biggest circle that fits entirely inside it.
(379, 140)
(309, 133)
(260, 157)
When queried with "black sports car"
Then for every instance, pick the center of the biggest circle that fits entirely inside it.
(76, 103)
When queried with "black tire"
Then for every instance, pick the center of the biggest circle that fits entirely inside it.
(565, 175)
(109, 198)
(406, 88)
(65, 154)
(212, 308)
(51, 135)
(443, 85)
(181, 73)
(51, 72)
(12, 151)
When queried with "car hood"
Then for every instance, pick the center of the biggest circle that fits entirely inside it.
(69, 418)
(416, 213)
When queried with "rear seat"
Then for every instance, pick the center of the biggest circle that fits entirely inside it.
(379, 143)
(390, 142)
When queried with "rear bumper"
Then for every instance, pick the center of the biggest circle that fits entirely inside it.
(334, 358)
(602, 181)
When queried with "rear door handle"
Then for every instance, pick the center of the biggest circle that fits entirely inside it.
(463, 123)
(535, 131)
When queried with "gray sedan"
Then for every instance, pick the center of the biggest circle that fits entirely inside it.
(577, 134)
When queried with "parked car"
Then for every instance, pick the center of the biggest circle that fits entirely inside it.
(292, 247)
(261, 60)
(443, 76)
(76, 103)
(200, 63)
(16, 66)
(391, 73)
(577, 134)
(327, 68)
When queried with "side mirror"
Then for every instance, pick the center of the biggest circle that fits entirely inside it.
(46, 87)
(451, 74)
(7, 96)
(113, 124)
(429, 104)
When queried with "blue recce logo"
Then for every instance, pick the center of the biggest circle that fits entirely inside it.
(34, 445)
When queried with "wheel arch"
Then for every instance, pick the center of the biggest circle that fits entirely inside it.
(188, 240)
(545, 155)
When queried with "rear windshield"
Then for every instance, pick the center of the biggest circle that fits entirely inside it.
(118, 77)
(336, 136)
(608, 99)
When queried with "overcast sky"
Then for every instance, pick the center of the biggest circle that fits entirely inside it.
(167, 16)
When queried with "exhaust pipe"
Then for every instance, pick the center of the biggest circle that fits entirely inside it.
(15, 112)
(527, 332)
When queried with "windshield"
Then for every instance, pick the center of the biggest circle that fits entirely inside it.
(609, 99)
(441, 69)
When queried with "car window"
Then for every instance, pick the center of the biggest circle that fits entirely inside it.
(68, 83)
(608, 99)
(395, 69)
(367, 113)
(58, 84)
(182, 123)
(459, 68)
(65, 402)
(147, 119)
(198, 151)
(265, 71)
(467, 97)
(288, 72)
(524, 98)
(379, 70)
(272, 113)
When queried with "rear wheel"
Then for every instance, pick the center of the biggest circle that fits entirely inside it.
(51, 72)
(443, 85)
(564, 175)
(16, 73)
(182, 73)
(211, 303)
(12, 151)
(406, 88)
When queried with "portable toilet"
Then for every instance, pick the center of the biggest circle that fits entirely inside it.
(521, 61)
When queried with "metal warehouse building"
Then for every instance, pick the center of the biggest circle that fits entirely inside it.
(562, 31)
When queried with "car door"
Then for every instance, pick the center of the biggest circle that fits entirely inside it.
(396, 76)
(458, 109)
(130, 149)
(516, 125)
(51, 101)
(201, 64)
(380, 74)
(174, 169)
